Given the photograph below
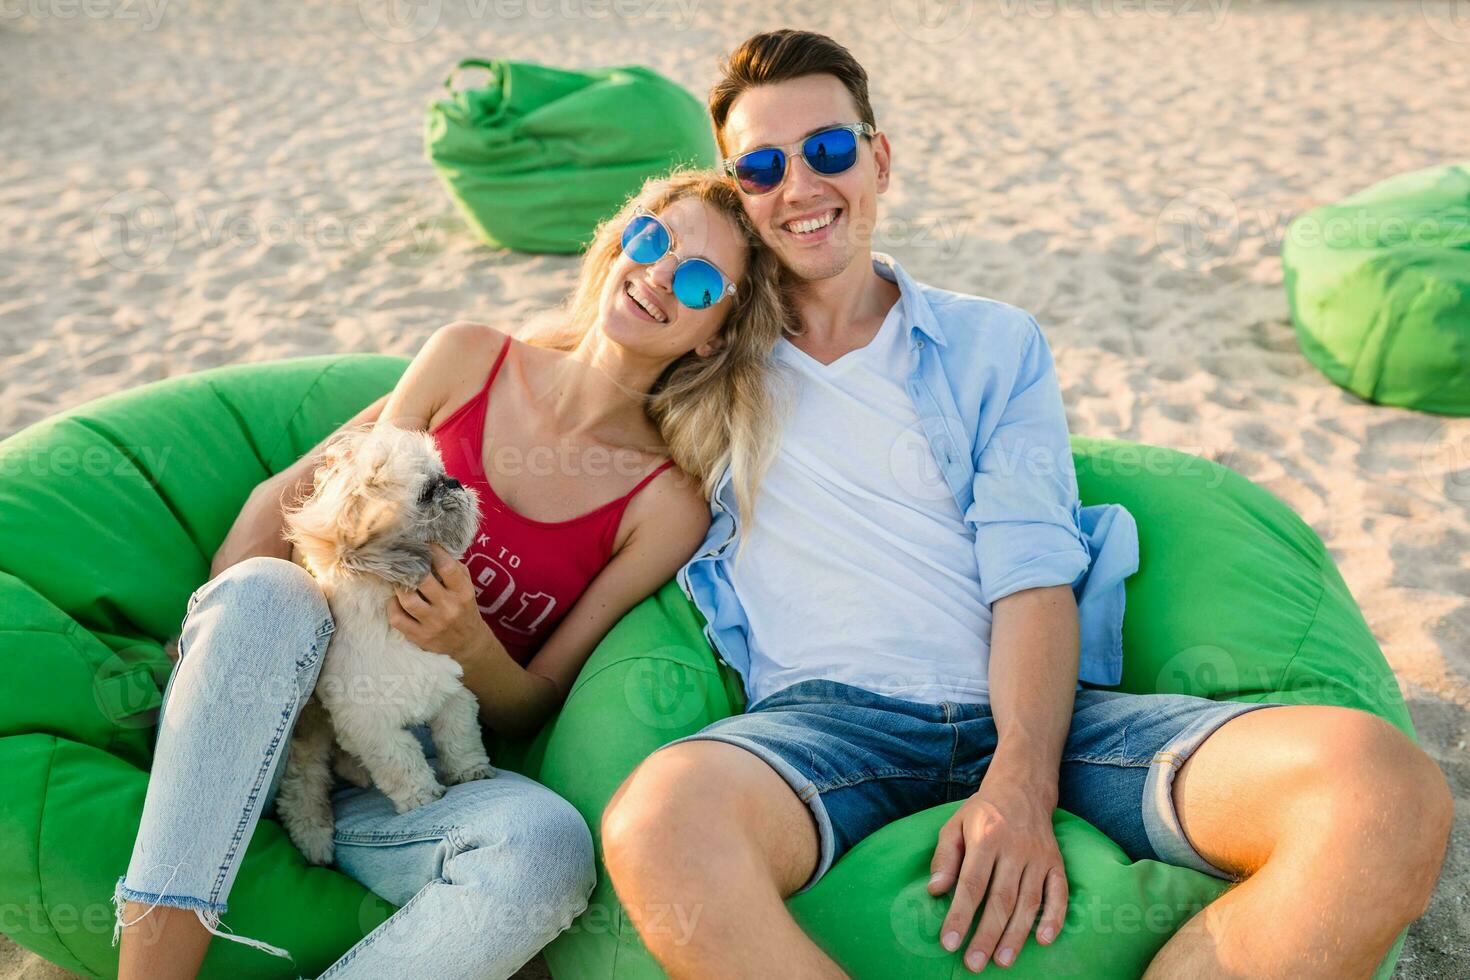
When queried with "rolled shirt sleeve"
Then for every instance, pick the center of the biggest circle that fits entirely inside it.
(1025, 512)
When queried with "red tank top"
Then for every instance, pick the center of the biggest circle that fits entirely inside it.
(527, 573)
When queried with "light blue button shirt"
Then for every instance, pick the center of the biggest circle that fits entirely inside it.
(987, 397)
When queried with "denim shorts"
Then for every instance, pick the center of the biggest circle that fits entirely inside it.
(861, 760)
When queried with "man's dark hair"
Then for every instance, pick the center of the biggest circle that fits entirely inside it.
(779, 56)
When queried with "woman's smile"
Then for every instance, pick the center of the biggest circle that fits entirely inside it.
(643, 302)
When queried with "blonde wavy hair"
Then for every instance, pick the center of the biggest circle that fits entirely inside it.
(715, 411)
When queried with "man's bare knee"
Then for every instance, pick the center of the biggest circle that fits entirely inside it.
(702, 811)
(1393, 798)
(1320, 780)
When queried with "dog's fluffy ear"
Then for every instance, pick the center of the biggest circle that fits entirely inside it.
(309, 527)
(332, 529)
(366, 547)
(335, 519)
(364, 518)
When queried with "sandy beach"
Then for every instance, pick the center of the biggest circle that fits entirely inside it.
(1123, 170)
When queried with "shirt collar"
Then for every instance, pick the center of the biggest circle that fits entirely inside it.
(916, 307)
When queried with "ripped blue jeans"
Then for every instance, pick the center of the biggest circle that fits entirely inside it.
(485, 876)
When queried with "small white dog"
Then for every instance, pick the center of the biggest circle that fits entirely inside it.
(381, 496)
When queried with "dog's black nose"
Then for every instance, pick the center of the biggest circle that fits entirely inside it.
(450, 483)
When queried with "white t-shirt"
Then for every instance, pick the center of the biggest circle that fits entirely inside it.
(858, 566)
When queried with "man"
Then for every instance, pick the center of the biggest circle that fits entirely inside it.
(903, 647)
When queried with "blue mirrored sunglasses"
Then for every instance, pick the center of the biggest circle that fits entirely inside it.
(698, 283)
(829, 153)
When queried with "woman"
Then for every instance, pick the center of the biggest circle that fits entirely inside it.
(661, 354)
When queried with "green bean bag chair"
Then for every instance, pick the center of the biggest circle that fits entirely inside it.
(109, 515)
(537, 156)
(1379, 288)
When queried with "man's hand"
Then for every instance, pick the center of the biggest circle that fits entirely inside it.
(1000, 847)
(440, 615)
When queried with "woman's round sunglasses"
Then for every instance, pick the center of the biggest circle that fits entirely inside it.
(698, 283)
(829, 153)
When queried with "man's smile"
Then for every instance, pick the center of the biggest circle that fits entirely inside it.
(812, 226)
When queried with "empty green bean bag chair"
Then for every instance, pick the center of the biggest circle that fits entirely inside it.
(109, 515)
(1379, 288)
(537, 156)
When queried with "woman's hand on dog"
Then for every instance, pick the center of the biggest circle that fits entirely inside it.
(440, 616)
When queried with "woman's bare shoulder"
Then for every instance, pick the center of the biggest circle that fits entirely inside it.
(674, 502)
(446, 372)
(465, 338)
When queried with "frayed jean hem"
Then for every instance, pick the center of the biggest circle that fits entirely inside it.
(207, 912)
